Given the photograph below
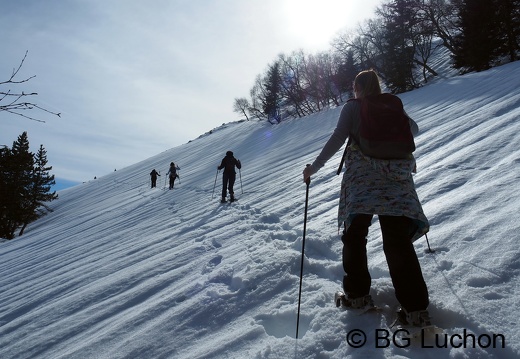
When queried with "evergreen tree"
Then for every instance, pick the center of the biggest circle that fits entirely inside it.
(346, 74)
(16, 184)
(39, 194)
(476, 45)
(508, 14)
(25, 183)
(272, 86)
(7, 196)
(398, 64)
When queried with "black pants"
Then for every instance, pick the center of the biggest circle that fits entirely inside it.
(154, 182)
(228, 181)
(405, 271)
(172, 181)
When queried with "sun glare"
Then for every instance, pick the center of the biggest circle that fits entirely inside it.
(316, 22)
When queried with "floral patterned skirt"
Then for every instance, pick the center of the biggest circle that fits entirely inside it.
(382, 187)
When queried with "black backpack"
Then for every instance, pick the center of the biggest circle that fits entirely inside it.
(230, 164)
(384, 131)
(173, 172)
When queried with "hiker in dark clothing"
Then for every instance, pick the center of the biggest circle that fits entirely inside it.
(173, 174)
(228, 177)
(154, 175)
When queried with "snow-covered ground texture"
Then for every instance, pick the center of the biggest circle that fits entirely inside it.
(120, 270)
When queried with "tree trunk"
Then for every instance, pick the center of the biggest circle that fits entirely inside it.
(23, 229)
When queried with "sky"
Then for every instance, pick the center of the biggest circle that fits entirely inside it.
(132, 79)
(120, 270)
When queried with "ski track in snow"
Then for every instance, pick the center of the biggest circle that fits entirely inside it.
(120, 270)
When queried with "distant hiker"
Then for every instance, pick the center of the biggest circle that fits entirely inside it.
(228, 177)
(172, 172)
(382, 186)
(153, 176)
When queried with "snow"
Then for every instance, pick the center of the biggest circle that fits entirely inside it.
(120, 270)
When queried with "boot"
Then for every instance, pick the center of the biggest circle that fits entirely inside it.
(418, 318)
(343, 300)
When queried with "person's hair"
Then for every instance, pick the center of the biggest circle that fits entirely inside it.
(367, 83)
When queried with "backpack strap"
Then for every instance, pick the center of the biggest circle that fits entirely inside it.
(344, 154)
(348, 144)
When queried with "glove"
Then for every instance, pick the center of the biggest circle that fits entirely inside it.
(307, 173)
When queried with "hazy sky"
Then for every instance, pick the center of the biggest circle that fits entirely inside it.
(133, 78)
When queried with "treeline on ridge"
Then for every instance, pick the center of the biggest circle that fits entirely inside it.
(398, 43)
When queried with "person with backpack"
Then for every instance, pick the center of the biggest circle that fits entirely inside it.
(228, 164)
(378, 181)
(153, 176)
(172, 172)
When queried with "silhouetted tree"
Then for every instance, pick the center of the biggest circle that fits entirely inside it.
(17, 168)
(39, 190)
(508, 14)
(15, 101)
(272, 85)
(347, 71)
(241, 106)
(475, 46)
(399, 19)
(292, 86)
(25, 183)
(398, 43)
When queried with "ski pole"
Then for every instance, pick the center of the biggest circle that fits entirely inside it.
(214, 185)
(307, 182)
(241, 188)
(428, 242)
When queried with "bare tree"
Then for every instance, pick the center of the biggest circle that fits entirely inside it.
(293, 94)
(258, 95)
(398, 43)
(242, 106)
(442, 16)
(366, 44)
(16, 102)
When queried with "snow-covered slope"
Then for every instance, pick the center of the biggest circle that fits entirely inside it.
(120, 270)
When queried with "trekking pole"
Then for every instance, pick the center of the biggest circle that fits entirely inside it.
(241, 188)
(430, 250)
(214, 185)
(307, 182)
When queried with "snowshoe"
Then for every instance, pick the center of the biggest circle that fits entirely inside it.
(363, 303)
(420, 318)
(415, 325)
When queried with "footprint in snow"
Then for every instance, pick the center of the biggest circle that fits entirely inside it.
(215, 261)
